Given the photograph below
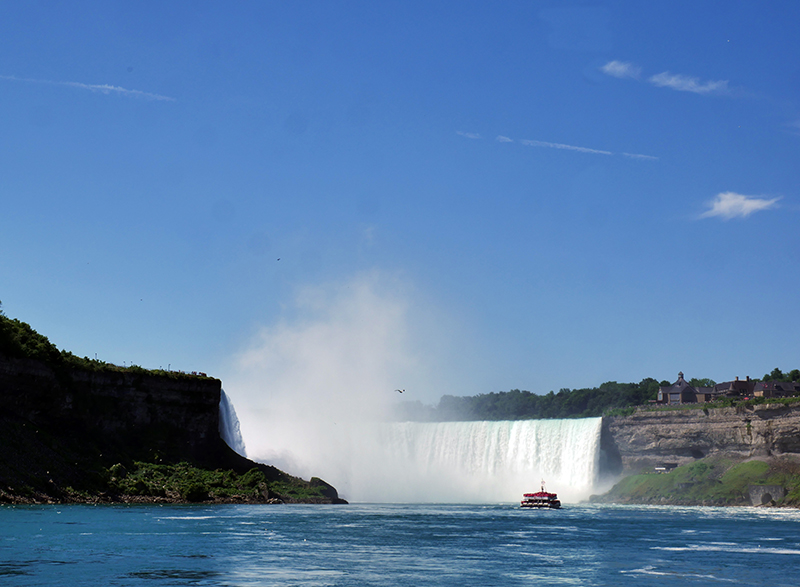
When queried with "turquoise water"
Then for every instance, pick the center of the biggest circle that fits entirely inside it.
(464, 545)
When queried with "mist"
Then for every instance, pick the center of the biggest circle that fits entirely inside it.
(330, 366)
(315, 391)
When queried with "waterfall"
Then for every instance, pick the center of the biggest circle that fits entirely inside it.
(500, 460)
(448, 462)
(229, 425)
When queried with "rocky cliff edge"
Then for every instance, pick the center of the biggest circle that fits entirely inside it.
(125, 435)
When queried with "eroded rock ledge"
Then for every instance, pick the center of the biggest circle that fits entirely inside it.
(65, 431)
(647, 438)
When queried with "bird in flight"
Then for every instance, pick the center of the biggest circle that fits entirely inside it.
(400, 390)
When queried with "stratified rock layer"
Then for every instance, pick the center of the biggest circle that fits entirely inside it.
(62, 429)
(648, 438)
(143, 414)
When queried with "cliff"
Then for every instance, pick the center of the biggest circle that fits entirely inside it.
(138, 413)
(647, 438)
(74, 434)
(744, 455)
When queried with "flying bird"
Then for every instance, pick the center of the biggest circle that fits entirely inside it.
(400, 390)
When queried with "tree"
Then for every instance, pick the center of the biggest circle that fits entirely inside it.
(705, 382)
(774, 375)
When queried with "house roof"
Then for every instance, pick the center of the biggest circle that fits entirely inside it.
(737, 385)
(786, 386)
(680, 386)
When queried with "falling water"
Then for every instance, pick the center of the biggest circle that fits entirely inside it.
(229, 425)
(497, 460)
(447, 462)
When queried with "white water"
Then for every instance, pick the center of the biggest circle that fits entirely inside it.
(229, 425)
(500, 460)
(449, 462)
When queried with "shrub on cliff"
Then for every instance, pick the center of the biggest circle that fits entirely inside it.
(19, 340)
(194, 492)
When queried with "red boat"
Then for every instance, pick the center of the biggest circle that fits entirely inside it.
(540, 499)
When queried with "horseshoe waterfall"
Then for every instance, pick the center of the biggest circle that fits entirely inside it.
(446, 462)
(500, 460)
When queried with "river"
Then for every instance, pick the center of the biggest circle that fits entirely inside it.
(397, 544)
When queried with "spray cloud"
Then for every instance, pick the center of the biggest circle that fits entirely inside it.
(313, 393)
(304, 384)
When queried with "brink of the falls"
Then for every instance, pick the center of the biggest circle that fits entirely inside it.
(447, 462)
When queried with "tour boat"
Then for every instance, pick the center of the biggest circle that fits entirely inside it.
(540, 499)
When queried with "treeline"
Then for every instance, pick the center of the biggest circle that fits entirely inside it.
(524, 405)
(610, 397)
(778, 375)
(19, 340)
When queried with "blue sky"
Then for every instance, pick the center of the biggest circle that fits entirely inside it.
(443, 197)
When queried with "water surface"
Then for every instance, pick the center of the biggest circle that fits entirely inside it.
(397, 545)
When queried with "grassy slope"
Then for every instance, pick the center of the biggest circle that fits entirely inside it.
(714, 480)
(41, 465)
(46, 462)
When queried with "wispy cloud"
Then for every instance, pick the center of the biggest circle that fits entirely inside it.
(640, 156)
(531, 143)
(621, 69)
(101, 88)
(665, 79)
(685, 83)
(729, 205)
(469, 135)
(563, 146)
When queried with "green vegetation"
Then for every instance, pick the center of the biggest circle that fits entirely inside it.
(522, 405)
(51, 455)
(19, 340)
(728, 402)
(41, 465)
(705, 382)
(778, 375)
(609, 399)
(709, 481)
(185, 482)
(180, 482)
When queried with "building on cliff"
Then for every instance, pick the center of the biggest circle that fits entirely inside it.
(681, 392)
(735, 388)
(775, 388)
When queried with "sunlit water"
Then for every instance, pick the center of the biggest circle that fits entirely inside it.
(464, 545)
(452, 462)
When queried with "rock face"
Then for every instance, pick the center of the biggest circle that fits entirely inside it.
(70, 429)
(765, 494)
(178, 417)
(631, 444)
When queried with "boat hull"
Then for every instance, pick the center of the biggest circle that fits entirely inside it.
(540, 500)
(552, 505)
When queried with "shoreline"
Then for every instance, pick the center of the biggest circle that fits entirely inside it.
(7, 499)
